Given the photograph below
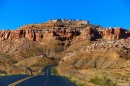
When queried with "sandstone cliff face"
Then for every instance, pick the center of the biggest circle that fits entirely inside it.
(107, 34)
(61, 34)
(113, 33)
(38, 35)
(65, 34)
(89, 33)
(64, 30)
(16, 34)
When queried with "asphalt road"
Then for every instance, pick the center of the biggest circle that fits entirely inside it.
(6, 80)
(46, 80)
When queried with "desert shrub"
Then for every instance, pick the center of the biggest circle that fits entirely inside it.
(80, 84)
(54, 71)
(73, 81)
(102, 81)
(96, 80)
(70, 78)
(18, 74)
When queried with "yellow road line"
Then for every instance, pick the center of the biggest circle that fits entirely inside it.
(19, 81)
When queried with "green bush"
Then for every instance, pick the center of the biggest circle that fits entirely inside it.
(80, 84)
(54, 71)
(73, 81)
(103, 81)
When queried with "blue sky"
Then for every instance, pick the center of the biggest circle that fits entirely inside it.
(16, 13)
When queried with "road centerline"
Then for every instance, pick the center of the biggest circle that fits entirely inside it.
(21, 80)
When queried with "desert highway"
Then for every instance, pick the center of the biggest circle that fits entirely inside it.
(6, 80)
(40, 80)
(46, 80)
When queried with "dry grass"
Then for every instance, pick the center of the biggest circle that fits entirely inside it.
(108, 63)
(78, 45)
(37, 64)
(52, 47)
(77, 80)
(34, 61)
(97, 59)
(118, 75)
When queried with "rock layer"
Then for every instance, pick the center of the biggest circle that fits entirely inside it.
(64, 30)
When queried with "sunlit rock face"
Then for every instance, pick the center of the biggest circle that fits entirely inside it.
(114, 33)
(64, 29)
(65, 34)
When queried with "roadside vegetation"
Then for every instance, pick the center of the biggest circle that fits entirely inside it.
(102, 81)
(70, 78)
(54, 71)
(76, 80)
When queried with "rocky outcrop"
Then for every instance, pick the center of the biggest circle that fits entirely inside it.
(100, 54)
(38, 35)
(16, 34)
(65, 34)
(90, 33)
(113, 33)
(107, 34)
(61, 34)
(57, 23)
(64, 30)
